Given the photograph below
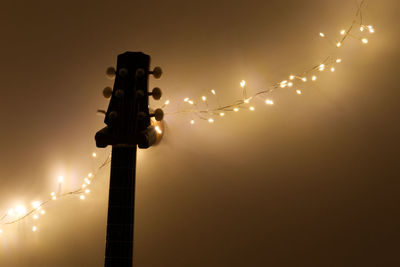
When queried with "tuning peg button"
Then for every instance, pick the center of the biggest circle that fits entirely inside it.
(156, 93)
(110, 72)
(158, 114)
(157, 72)
(107, 92)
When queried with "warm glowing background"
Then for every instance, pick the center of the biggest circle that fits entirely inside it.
(311, 181)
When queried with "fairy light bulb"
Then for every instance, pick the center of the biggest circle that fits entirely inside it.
(314, 78)
(362, 28)
(251, 108)
(166, 102)
(269, 102)
(60, 179)
(242, 83)
(364, 40)
(10, 212)
(186, 99)
(53, 197)
(192, 122)
(210, 120)
(247, 100)
(371, 29)
(35, 216)
(1, 231)
(338, 60)
(190, 102)
(90, 174)
(204, 98)
(304, 79)
(34, 228)
(36, 204)
(82, 197)
(87, 191)
(87, 181)
(332, 69)
(290, 84)
(338, 44)
(322, 34)
(158, 130)
(52, 194)
(20, 210)
(321, 67)
(236, 109)
(213, 91)
(342, 32)
(43, 212)
(222, 114)
(298, 92)
(291, 77)
(94, 154)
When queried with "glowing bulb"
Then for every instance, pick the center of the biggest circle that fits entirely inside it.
(338, 44)
(304, 79)
(94, 154)
(36, 204)
(243, 83)
(290, 84)
(321, 34)
(186, 99)
(166, 102)
(269, 102)
(1, 231)
(332, 69)
(52, 194)
(20, 210)
(342, 32)
(87, 191)
(291, 77)
(210, 120)
(87, 180)
(222, 114)
(364, 40)
(90, 174)
(10, 212)
(82, 197)
(84, 185)
(213, 91)
(252, 108)
(338, 60)
(236, 109)
(321, 67)
(190, 102)
(314, 78)
(192, 122)
(34, 229)
(298, 92)
(35, 216)
(362, 28)
(247, 100)
(42, 212)
(204, 98)
(371, 29)
(53, 197)
(60, 179)
(158, 130)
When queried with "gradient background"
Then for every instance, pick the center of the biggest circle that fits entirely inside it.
(311, 181)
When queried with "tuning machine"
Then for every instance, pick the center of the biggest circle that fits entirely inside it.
(156, 72)
(158, 114)
(156, 93)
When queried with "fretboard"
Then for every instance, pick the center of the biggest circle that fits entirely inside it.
(121, 208)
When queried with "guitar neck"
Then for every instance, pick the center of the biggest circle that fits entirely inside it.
(121, 207)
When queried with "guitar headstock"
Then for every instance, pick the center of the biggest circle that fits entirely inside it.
(128, 117)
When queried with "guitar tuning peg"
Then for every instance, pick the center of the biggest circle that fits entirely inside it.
(110, 72)
(157, 72)
(158, 114)
(107, 92)
(156, 93)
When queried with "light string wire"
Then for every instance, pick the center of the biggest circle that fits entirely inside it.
(20, 213)
(207, 112)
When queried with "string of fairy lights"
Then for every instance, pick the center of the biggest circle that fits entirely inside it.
(203, 110)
